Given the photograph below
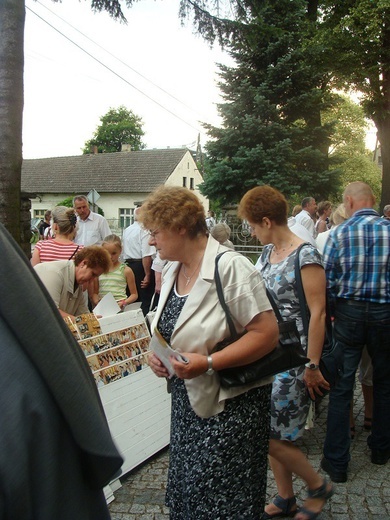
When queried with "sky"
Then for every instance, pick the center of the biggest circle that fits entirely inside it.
(159, 69)
(162, 71)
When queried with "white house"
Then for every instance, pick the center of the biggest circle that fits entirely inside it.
(123, 180)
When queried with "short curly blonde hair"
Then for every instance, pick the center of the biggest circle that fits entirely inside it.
(173, 208)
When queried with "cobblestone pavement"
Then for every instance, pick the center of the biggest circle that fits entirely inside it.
(366, 494)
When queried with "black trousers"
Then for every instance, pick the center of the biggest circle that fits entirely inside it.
(144, 294)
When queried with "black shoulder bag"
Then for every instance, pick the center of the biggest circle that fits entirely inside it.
(287, 354)
(74, 252)
(332, 357)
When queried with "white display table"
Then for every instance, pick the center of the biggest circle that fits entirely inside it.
(135, 401)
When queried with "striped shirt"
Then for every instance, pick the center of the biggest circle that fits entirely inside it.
(51, 250)
(357, 258)
(114, 282)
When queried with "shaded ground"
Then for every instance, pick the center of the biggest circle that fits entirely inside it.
(366, 495)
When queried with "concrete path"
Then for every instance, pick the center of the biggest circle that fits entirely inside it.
(366, 494)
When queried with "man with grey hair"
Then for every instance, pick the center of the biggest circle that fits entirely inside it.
(92, 227)
(386, 211)
(357, 266)
(307, 215)
(138, 255)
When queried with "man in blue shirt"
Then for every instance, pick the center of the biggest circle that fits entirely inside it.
(357, 265)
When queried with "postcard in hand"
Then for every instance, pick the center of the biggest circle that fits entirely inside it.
(163, 351)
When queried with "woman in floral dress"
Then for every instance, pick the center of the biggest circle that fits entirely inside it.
(266, 212)
(219, 437)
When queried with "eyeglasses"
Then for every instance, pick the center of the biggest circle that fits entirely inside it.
(152, 234)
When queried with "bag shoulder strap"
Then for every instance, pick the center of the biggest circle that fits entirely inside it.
(74, 252)
(305, 313)
(218, 283)
(301, 291)
(274, 307)
(222, 301)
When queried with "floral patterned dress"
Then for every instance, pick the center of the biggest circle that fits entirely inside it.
(290, 401)
(218, 465)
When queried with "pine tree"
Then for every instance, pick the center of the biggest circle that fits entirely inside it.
(272, 131)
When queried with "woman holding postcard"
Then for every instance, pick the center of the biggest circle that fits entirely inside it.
(219, 437)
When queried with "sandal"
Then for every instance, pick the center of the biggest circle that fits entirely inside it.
(321, 493)
(285, 505)
(367, 423)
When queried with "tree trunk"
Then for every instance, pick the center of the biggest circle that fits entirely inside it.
(384, 139)
(382, 121)
(314, 121)
(12, 16)
(312, 10)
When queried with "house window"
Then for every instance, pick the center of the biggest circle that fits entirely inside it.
(39, 213)
(184, 182)
(126, 217)
(192, 183)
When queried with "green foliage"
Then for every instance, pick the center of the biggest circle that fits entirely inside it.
(355, 35)
(34, 237)
(282, 123)
(348, 150)
(361, 167)
(349, 125)
(272, 131)
(119, 126)
(112, 7)
(68, 202)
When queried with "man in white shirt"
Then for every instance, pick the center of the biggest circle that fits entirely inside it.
(301, 231)
(210, 220)
(307, 215)
(92, 227)
(138, 255)
(157, 267)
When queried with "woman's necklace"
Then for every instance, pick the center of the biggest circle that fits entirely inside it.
(283, 250)
(188, 278)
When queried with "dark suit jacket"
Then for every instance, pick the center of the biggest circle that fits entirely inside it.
(56, 450)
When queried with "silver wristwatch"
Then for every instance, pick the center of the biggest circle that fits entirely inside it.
(312, 366)
(210, 369)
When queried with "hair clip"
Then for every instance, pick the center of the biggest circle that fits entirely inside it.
(73, 219)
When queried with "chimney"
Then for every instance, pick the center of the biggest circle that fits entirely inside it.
(94, 149)
(125, 147)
